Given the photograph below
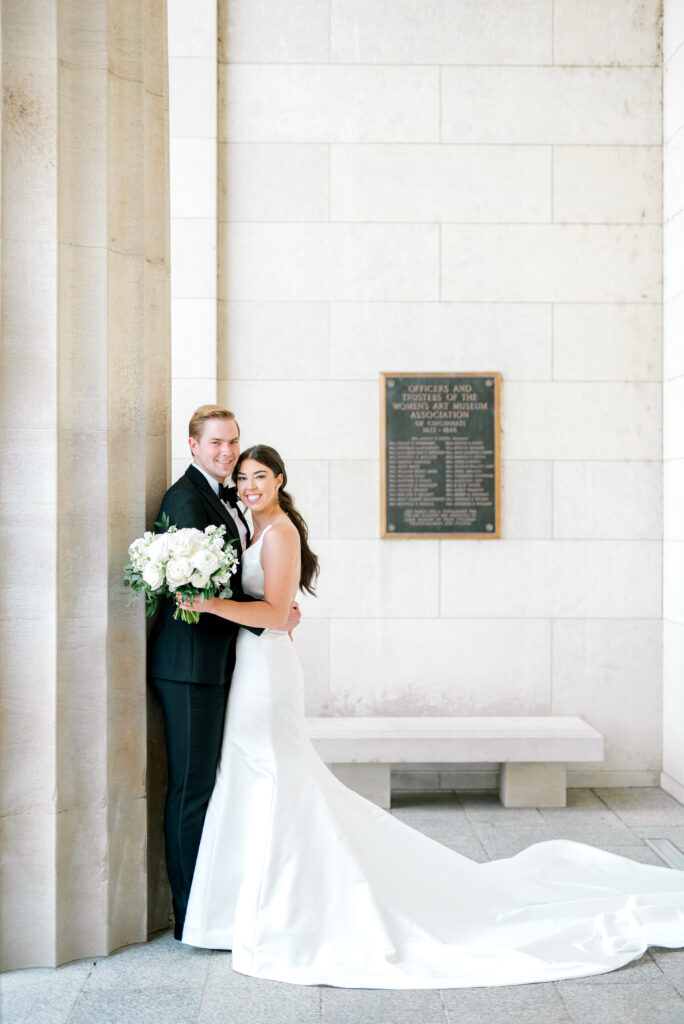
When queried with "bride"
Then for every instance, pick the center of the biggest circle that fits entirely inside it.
(309, 883)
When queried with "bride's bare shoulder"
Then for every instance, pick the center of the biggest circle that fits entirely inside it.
(283, 534)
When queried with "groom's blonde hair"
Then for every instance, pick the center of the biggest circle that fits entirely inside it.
(208, 412)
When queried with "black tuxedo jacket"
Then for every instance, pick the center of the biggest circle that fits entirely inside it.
(181, 651)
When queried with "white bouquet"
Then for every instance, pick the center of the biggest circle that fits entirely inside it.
(189, 562)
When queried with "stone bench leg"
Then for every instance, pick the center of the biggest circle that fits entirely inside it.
(532, 785)
(369, 780)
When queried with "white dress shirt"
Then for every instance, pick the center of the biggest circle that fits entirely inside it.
(233, 512)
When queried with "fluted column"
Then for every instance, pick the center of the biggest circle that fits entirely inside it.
(84, 453)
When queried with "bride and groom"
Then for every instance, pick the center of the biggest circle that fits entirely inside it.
(303, 879)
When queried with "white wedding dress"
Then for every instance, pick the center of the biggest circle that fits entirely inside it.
(309, 883)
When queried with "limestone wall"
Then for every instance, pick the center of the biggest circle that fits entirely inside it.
(192, 34)
(418, 187)
(673, 395)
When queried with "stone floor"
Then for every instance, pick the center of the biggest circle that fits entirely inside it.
(164, 982)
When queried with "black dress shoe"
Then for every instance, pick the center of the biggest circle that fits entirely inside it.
(178, 930)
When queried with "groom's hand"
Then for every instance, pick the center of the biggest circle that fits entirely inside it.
(293, 619)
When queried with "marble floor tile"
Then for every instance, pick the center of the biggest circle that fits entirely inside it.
(169, 1005)
(647, 806)
(598, 831)
(523, 1004)
(470, 848)
(233, 998)
(656, 1002)
(675, 833)
(582, 805)
(454, 834)
(139, 967)
(642, 854)
(506, 842)
(671, 963)
(41, 994)
(221, 966)
(486, 807)
(424, 819)
(578, 800)
(424, 803)
(638, 971)
(374, 1006)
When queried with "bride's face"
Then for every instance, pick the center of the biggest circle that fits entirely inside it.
(258, 486)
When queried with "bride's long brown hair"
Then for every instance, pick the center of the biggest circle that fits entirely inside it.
(269, 457)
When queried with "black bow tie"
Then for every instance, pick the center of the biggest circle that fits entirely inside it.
(229, 495)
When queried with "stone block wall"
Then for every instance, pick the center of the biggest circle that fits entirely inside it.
(673, 397)
(426, 187)
(192, 40)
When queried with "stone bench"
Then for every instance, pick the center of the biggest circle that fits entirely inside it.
(532, 751)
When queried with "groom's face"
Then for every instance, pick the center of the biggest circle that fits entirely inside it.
(217, 449)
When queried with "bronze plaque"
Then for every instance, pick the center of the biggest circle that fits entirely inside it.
(440, 472)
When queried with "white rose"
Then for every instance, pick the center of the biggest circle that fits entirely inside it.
(205, 562)
(199, 580)
(197, 540)
(178, 572)
(180, 544)
(153, 574)
(158, 551)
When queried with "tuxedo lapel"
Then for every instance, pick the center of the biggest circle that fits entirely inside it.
(244, 523)
(218, 510)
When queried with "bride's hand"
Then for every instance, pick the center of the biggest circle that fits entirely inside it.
(293, 619)
(191, 604)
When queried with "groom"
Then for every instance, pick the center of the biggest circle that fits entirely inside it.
(190, 665)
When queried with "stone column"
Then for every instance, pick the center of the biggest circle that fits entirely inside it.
(84, 458)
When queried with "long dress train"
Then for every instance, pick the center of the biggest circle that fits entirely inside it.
(309, 883)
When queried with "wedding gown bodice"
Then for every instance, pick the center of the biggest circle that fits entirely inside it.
(309, 883)
(252, 572)
(253, 575)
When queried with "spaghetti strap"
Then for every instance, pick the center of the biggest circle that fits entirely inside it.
(256, 543)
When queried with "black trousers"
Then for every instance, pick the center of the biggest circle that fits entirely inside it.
(194, 715)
